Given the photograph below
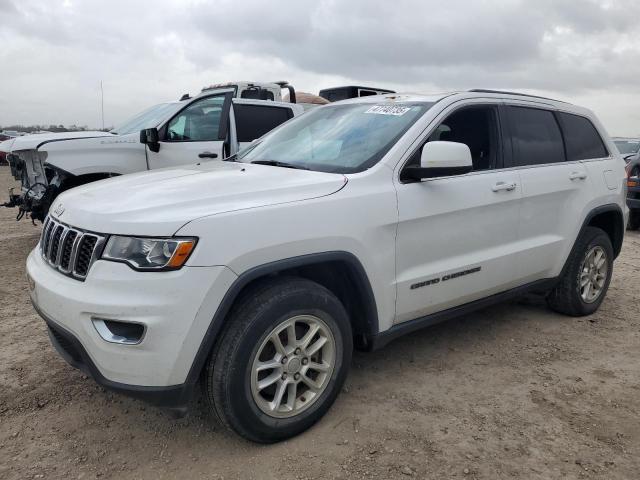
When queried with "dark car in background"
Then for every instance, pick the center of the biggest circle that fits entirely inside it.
(633, 192)
(630, 150)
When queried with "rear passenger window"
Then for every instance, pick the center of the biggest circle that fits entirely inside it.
(581, 138)
(253, 121)
(536, 136)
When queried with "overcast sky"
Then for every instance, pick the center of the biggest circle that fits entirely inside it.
(54, 53)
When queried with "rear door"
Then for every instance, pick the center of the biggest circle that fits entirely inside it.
(196, 133)
(457, 235)
(555, 191)
(253, 120)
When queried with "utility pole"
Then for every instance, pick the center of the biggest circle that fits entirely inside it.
(102, 103)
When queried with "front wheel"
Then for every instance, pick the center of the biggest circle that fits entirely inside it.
(282, 360)
(586, 278)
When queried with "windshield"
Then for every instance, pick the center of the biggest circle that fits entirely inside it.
(337, 138)
(149, 118)
(626, 147)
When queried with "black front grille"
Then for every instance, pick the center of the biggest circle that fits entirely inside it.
(69, 250)
(85, 252)
(46, 236)
(55, 243)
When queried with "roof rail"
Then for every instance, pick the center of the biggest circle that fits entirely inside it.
(503, 92)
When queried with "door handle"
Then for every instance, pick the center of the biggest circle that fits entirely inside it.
(577, 176)
(503, 186)
(207, 155)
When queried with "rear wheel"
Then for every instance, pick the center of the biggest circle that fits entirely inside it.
(282, 360)
(585, 281)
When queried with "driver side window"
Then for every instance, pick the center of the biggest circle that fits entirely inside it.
(199, 122)
(476, 127)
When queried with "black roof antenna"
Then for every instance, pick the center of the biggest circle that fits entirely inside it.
(185, 97)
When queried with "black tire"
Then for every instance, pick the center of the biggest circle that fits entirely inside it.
(634, 220)
(566, 297)
(227, 380)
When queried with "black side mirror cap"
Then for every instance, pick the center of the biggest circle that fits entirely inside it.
(150, 137)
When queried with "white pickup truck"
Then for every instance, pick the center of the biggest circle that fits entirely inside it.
(214, 124)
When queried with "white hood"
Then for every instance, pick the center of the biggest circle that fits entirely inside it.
(160, 202)
(5, 146)
(32, 142)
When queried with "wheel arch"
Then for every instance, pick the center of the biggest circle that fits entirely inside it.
(610, 219)
(340, 272)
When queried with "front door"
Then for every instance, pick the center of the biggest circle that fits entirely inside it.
(195, 134)
(457, 235)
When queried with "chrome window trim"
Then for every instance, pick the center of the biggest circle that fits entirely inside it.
(486, 101)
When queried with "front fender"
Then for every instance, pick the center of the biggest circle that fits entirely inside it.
(83, 156)
(360, 219)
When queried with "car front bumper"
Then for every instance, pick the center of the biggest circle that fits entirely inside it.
(176, 309)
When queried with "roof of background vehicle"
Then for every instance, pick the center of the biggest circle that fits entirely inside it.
(376, 89)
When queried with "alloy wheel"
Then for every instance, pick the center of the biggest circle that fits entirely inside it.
(593, 274)
(293, 366)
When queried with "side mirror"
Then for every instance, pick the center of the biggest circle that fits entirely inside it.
(441, 159)
(150, 137)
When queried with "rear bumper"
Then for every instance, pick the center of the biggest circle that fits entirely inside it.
(633, 204)
(633, 198)
(175, 397)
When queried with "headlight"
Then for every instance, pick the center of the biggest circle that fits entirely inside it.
(149, 253)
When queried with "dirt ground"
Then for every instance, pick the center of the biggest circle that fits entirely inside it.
(512, 391)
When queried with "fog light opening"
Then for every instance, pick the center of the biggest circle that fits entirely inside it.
(118, 331)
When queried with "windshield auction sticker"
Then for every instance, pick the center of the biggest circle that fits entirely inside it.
(388, 110)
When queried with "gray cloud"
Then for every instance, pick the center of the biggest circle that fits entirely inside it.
(55, 54)
(449, 44)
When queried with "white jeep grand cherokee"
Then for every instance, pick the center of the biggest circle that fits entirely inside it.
(348, 226)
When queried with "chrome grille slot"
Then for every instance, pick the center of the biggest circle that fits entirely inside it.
(68, 250)
(85, 253)
(55, 243)
(46, 236)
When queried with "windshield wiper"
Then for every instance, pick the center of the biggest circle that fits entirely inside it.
(277, 163)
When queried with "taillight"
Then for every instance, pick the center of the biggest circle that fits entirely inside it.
(631, 181)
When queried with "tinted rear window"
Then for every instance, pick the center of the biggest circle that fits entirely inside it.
(536, 136)
(581, 138)
(253, 121)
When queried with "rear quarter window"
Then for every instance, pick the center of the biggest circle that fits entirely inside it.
(253, 121)
(581, 138)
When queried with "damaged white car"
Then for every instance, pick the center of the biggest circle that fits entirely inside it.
(212, 125)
